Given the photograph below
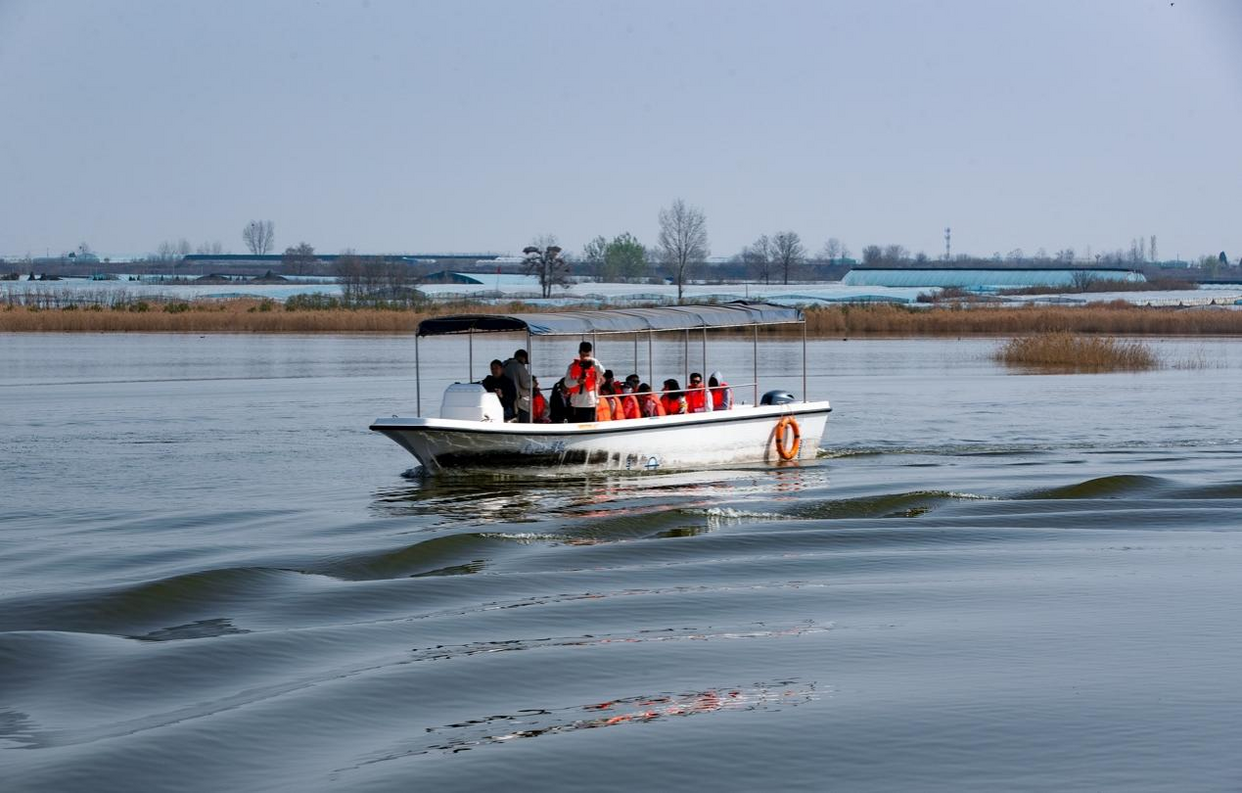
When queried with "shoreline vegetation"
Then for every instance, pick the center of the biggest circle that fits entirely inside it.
(245, 315)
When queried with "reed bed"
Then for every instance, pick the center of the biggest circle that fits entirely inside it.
(266, 316)
(230, 316)
(1078, 353)
(1095, 318)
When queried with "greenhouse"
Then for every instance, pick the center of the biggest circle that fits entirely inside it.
(987, 278)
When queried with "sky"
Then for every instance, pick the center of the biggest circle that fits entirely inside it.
(477, 126)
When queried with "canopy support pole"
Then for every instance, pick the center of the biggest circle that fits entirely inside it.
(418, 382)
(650, 363)
(530, 368)
(704, 355)
(755, 360)
(686, 359)
(470, 357)
(805, 396)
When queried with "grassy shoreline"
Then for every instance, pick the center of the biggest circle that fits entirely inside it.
(256, 316)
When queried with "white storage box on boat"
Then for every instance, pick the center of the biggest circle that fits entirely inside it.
(471, 402)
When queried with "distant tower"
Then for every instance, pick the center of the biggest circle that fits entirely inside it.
(948, 251)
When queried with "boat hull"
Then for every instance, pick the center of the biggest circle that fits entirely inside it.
(744, 434)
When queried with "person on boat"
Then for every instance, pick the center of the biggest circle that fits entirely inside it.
(503, 387)
(696, 395)
(648, 402)
(559, 409)
(517, 369)
(603, 408)
(633, 382)
(538, 403)
(609, 380)
(629, 403)
(673, 400)
(613, 397)
(582, 382)
(722, 395)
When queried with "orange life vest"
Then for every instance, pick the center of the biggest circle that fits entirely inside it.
(540, 406)
(673, 404)
(652, 406)
(629, 407)
(719, 393)
(696, 401)
(614, 407)
(603, 411)
(578, 370)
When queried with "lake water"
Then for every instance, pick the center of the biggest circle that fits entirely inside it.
(213, 577)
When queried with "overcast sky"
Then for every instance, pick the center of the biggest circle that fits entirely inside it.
(474, 126)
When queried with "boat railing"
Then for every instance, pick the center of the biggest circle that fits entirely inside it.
(731, 386)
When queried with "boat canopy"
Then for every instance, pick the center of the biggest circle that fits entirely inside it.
(739, 313)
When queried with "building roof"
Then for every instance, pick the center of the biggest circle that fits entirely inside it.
(984, 277)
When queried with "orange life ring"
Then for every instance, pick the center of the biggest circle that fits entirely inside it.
(790, 451)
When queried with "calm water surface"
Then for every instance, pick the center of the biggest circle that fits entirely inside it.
(213, 577)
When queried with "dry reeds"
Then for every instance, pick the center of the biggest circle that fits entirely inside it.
(230, 316)
(1077, 353)
(1106, 318)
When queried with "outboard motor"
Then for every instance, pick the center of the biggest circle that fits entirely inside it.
(471, 402)
(777, 398)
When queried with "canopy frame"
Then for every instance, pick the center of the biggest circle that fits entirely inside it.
(736, 314)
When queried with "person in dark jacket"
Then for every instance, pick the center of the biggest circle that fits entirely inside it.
(558, 403)
(502, 387)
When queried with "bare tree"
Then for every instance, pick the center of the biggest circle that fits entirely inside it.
(299, 260)
(1082, 280)
(544, 261)
(259, 236)
(376, 281)
(834, 249)
(895, 254)
(872, 255)
(593, 254)
(210, 248)
(787, 251)
(683, 240)
(758, 259)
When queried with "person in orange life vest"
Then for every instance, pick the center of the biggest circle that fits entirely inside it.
(722, 395)
(629, 403)
(538, 404)
(648, 402)
(582, 381)
(609, 382)
(608, 394)
(673, 400)
(603, 408)
(696, 395)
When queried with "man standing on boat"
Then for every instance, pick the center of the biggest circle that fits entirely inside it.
(516, 369)
(582, 383)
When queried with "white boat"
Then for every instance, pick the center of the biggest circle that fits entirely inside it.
(471, 433)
